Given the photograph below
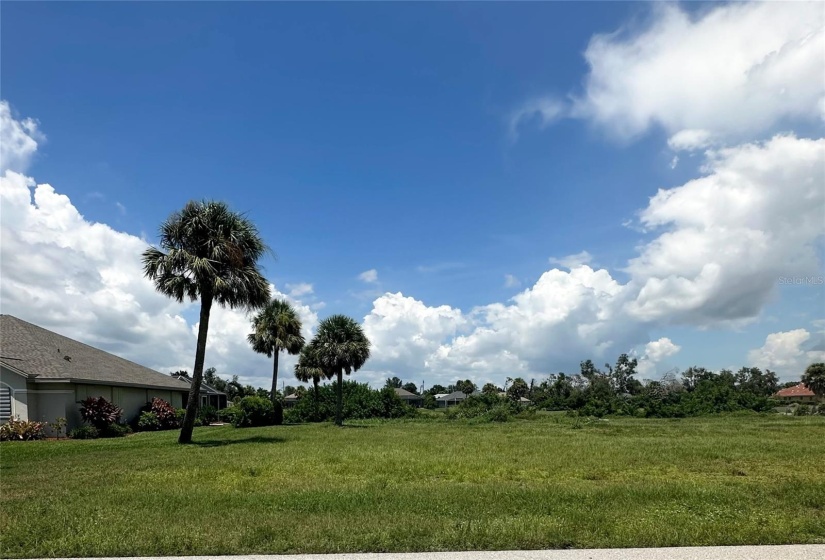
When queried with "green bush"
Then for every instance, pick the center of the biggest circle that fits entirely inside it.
(802, 410)
(84, 432)
(22, 430)
(165, 413)
(360, 402)
(115, 430)
(429, 402)
(207, 415)
(485, 407)
(253, 411)
(500, 413)
(228, 414)
(148, 422)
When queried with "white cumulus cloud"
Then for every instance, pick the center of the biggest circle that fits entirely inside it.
(18, 140)
(756, 215)
(789, 353)
(300, 289)
(735, 70)
(656, 352)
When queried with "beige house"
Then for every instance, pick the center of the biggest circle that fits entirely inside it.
(43, 375)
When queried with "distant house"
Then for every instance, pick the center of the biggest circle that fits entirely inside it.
(451, 399)
(43, 375)
(410, 398)
(291, 400)
(209, 395)
(798, 393)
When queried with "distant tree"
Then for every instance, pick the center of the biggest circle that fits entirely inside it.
(490, 389)
(234, 389)
(342, 348)
(436, 390)
(622, 375)
(467, 386)
(429, 401)
(814, 378)
(211, 253)
(309, 369)
(518, 389)
(756, 381)
(276, 329)
(589, 370)
(693, 375)
(411, 387)
(288, 390)
(393, 383)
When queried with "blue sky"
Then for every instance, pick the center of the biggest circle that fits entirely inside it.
(422, 141)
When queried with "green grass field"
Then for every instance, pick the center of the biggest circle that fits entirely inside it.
(419, 486)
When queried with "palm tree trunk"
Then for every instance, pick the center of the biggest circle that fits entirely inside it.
(197, 374)
(315, 389)
(339, 409)
(274, 377)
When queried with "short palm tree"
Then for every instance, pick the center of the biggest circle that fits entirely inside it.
(211, 253)
(277, 328)
(814, 378)
(309, 369)
(342, 347)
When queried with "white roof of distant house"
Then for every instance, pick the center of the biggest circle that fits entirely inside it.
(439, 395)
(292, 397)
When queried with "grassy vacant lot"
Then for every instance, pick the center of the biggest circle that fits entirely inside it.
(419, 485)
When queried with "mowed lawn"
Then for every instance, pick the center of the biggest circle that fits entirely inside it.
(419, 486)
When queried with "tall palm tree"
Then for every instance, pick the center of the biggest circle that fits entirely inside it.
(276, 328)
(309, 368)
(342, 348)
(211, 253)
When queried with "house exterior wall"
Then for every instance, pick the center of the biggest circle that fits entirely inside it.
(801, 399)
(45, 402)
(16, 385)
(52, 401)
(49, 401)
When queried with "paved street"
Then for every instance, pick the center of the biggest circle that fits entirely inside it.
(793, 552)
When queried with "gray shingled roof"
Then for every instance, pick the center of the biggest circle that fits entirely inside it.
(454, 396)
(206, 389)
(43, 355)
(406, 395)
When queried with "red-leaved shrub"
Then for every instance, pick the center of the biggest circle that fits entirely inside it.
(99, 412)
